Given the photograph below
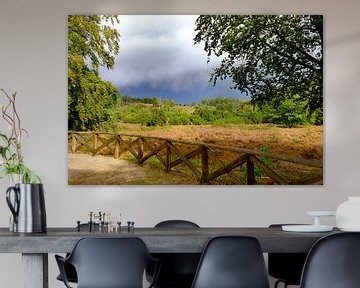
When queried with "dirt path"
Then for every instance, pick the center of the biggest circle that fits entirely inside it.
(83, 169)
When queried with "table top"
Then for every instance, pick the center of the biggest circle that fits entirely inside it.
(158, 240)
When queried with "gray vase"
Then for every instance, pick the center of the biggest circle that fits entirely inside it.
(27, 204)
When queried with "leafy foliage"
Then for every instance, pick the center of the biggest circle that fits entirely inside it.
(292, 111)
(288, 113)
(92, 43)
(12, 161)
(227, 110)
(153, 115)
(217, 111)
(267, 56)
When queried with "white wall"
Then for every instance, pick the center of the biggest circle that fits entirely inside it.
(33, 41)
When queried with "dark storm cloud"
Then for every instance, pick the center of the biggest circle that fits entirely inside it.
(158, 51)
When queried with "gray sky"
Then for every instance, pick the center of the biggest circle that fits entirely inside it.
(158, 58)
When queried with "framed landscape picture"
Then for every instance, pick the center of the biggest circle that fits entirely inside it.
(195, 99)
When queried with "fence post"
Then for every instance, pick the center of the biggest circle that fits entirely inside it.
(95, 141)
(168, 157)
(141, 149)
(73, 143)
(250, 170)
(117, 148)
(205, 164)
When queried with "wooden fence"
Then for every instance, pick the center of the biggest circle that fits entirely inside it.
(171, 153)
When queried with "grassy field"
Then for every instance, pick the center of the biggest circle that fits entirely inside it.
(302, 142)
(305, 142)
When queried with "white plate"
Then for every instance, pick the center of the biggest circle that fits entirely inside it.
(306, 228)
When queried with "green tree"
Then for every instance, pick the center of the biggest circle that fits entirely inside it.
(290, 112)
(156, 102)
(92, 42)
(268, 56)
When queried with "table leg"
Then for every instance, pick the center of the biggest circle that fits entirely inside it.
(35, 270)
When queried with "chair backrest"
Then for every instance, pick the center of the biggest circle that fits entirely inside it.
(286, 267)
(232, 262)
(110, 262)
(176, 224)
(333, 262)
(178, 269)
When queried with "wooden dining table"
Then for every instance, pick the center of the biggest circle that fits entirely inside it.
(35, 247)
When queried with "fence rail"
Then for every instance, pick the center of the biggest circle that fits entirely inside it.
(171, 153)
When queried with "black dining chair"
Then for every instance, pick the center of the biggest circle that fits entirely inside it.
(178, 269)
(285, 267)
(333, 262)
(232, 262)
(108, 263)
(70, 271)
